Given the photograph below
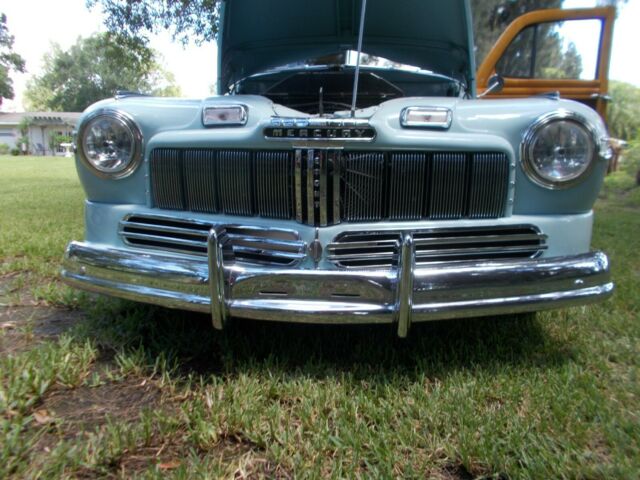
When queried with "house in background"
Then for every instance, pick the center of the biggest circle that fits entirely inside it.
(41, 128)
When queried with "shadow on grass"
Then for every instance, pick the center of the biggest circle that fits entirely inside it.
(433, 349)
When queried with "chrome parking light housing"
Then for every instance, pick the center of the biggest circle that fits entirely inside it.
(570, 126)
(225, 115)
(110, 144)
(426, 117)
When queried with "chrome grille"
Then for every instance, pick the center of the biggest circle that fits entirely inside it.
(448, 188)
(380, 249)
(409, 177)
(326, 186)
(488, 187)
(273, 184)
(363, 180)
(200, 181)
(234, 182)
(257, 245)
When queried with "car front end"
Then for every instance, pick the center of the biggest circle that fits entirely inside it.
(274, 205)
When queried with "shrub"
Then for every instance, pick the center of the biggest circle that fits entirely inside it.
(15, 152)
(4, 149)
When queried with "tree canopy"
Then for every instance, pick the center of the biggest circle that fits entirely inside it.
(187, 20)
(623, 117)
(9, 60)
(94, 68)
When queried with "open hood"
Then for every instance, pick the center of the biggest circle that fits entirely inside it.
(257, 35)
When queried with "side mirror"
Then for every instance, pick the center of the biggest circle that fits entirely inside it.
(495, 85)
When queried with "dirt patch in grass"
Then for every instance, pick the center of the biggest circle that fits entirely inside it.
(25, 322)
(86, 407)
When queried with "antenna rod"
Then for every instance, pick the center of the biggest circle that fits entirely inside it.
(357, 75)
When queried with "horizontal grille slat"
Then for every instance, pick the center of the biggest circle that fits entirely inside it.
(376, 250)
(324, 187)
(264, 246)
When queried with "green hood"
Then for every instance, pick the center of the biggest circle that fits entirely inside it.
(257, 35)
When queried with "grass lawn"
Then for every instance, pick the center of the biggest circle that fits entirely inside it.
(91, 386)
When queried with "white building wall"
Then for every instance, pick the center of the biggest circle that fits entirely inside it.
(8, 135)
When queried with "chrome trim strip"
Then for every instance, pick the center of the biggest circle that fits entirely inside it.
(336, 156)
(311, 139)
(323, 188)
(311, 213)
(298, 185)
(159, 228)
(157, 238)
(292, 256)
(479, 239)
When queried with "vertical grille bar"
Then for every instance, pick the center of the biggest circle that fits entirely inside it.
(448, 186)
(298, 184)
(336, 163)
(199, 168)
(234, 182)
(489, 183)
(311, 210)
(406, 186)
(273, 187)
(166, 179)
(323, 188)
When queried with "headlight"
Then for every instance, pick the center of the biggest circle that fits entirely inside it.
(558, 150)
(110, 143)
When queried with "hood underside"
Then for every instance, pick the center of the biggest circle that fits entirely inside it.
(258, 35)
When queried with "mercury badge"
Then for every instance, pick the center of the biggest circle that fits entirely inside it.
(343, 129)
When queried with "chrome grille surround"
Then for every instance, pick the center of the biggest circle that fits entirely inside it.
(326, 186)
(241, 244)
(381, 249)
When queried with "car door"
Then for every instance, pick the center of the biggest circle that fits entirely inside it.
(544, 51)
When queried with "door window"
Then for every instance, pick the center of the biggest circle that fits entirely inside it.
(554, 50)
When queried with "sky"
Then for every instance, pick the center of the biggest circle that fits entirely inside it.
(36, 24)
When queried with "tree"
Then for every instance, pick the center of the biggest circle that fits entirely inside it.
(623, 117)
(94, 68)
(9, 60)
(187, 20)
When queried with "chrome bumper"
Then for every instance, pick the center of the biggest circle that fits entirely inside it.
(405, 294)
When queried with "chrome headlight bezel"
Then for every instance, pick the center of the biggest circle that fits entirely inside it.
(137, 142)
(531, 135)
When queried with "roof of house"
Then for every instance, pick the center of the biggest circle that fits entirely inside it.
(40, 118)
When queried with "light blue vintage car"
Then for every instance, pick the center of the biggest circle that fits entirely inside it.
(316, 189)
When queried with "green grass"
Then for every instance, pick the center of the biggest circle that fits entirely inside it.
(133, 390)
